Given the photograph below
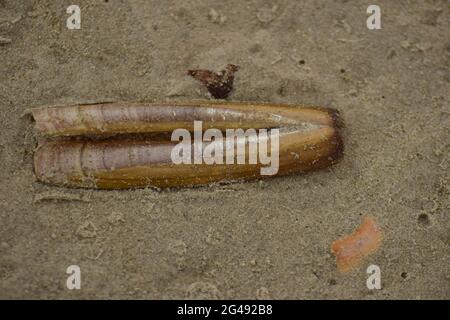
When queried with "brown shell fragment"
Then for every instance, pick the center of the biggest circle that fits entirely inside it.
(352, 249)
(218, 84)
(107, 146)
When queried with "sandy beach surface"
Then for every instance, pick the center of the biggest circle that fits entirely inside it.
(255, 240)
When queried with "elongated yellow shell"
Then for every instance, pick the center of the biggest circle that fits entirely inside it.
(117, 155)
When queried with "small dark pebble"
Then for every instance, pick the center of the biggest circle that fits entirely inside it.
(423, 219)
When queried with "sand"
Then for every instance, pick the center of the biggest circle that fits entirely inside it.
(268, 239)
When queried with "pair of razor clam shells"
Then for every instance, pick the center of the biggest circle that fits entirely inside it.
(127, 145)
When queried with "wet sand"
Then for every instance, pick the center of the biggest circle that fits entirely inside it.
(263, 239)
